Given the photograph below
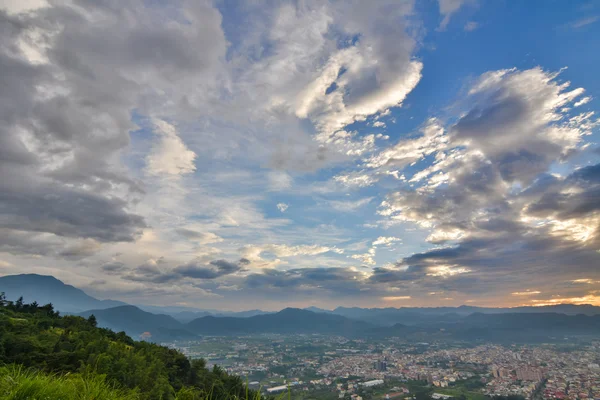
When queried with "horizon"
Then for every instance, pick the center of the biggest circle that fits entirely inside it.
(199, 309)
(232, 156)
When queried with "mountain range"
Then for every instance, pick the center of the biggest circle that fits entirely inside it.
(170, 323)
(47, 289)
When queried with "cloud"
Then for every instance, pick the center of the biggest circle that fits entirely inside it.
(497, 206)
(527, 293)
(170, 156)
(584, 280)
(279, 180)
(580, 23)
(386, 240)
(370, 75)
(471, 26)
(81, 71)
(147, 129)
(216, 269)
(447, 8)
(154, 271)
(587, 299)
(253, 252)
(583, 101)
(344, 281)
(395, 298)
(349, 206)
(199, 237)
(357, 179)
(82, 249)
(366, 258)
(114, 268)
(20, 6)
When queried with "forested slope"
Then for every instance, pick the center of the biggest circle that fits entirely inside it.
(35, 336)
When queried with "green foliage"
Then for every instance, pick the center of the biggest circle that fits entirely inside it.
(18, 383)
(37, 337)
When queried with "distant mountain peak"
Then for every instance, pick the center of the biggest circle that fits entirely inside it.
(48, 289)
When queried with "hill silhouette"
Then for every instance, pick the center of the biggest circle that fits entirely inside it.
(47, 289)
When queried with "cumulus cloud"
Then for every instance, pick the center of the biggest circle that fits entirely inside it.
(487, 193)
(336, 280)
(119, 125)
(72, 76)
(215, 269)
(158, 271)
(333, 64)
(170, 156)
(386, 241)
(20, 6)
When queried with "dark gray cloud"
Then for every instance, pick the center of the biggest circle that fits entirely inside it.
(66, 105)
(337, 280)
(215, 269)
(158, 271)
(113, 268)
(66, 212)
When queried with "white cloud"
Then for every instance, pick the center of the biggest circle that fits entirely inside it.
(356, 179)
(583, 101)
(170, 156)
(585, 21)
(194, 234)
(395, 298)
(527, 293)
(254, 252)
(279, 180)
(447, 8)
(584, 281)
(447, 270)
(386, 240)
(349, 205)
(366, 258)
(20, 6)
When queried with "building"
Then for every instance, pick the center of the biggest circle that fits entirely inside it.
(380, 366)
(372, 383)
(529, 374)
(277, 389)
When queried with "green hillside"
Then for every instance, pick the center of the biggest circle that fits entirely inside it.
(70, 351)
(17, 382)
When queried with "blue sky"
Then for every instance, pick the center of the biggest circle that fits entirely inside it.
(267, 154)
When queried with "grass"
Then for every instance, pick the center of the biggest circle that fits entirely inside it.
(20, 383)
(469, 394)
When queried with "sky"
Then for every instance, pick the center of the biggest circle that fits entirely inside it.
(268, 154)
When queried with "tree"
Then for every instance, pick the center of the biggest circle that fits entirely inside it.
(19, 304)
(36, 337)
(92, 320)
